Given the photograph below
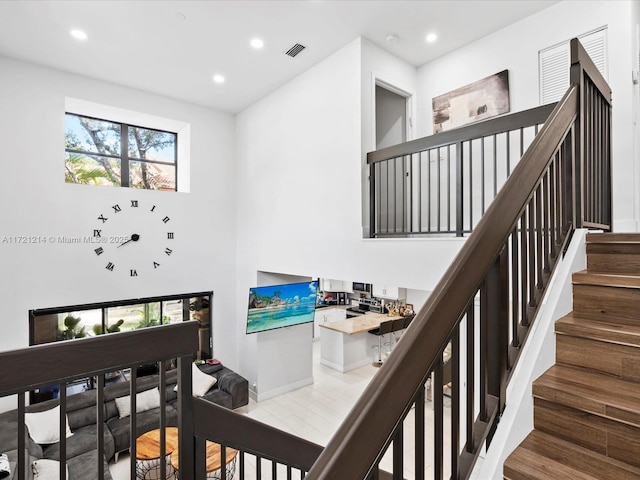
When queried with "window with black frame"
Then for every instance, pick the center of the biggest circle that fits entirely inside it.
(90, 320)
(103, 152)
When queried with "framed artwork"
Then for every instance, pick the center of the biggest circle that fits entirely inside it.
(477, 101)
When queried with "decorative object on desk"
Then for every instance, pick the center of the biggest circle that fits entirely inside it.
(479, 100)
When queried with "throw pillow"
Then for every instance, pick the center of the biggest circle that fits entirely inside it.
(200, 382)
(44, 427)
(5, 468)
(144, 401)
(45, 469)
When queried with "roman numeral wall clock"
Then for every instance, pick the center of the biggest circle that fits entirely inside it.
(133, 238)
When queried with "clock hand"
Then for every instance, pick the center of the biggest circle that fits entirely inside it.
(134, 238)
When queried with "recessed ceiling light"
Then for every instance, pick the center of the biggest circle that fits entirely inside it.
(257, 43)
(181, 16)
(392, 38)
(218, 78)
(431, 37)
(79, 34)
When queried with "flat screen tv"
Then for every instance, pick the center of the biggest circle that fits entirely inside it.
(278, 306)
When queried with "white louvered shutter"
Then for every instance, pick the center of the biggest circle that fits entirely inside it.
(554, 64)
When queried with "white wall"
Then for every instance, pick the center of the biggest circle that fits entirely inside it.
(300, 161)
(516, 48)
(36, 201)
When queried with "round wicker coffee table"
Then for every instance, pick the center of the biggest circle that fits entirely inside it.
(213, 462)
(148, 453)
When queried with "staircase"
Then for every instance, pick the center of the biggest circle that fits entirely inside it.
(587, 406)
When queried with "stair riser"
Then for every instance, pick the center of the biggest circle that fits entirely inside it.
(620, 360)
(584, 404)
(615, 262)
(606, 437)
(607, 303)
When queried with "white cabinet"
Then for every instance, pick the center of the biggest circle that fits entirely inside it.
(326, 315)
(333, 285)
(391, 293)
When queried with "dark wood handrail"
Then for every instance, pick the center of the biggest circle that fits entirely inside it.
(228, 428)
(485, 128)
(377, 413)
(579, 56)
(59, 362)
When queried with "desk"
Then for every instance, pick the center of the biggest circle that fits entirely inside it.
(346, 344)
(148, 453)
(214, 462)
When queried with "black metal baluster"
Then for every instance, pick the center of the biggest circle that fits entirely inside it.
(439, 180)
(419, 175)
(162, 380)
(419, 433)
(448, 189)
(552, 208)
(515, 301)
(459, 192)
(508, 151)
(398, 451)
(524, 268)
(538, 237)
(100, 422)
(532, 255)
(482, 174)
(455, 402)
(470, 185)
(495, 166)
(471, 369)
(132, 421)
(62, 395)
(223, 462)
(22, 457)
(438, 417)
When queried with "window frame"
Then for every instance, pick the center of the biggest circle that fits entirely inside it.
(125, 159)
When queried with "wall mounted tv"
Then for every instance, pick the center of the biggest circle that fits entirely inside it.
(278, 306)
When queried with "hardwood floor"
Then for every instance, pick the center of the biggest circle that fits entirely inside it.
(587, 406)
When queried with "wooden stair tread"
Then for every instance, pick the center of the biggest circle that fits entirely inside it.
(585, 277)
(613, 238)
(592, 392)
(575, 325)
(544, 457)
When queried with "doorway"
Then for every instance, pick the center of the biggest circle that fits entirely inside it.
(392, 119)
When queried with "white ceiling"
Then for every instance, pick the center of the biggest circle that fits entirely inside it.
(174, 48)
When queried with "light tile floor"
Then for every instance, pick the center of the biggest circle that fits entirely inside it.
(314, 412)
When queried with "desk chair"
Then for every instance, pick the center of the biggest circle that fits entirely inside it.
(384, 328)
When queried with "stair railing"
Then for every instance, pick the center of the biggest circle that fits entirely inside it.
(482, 309)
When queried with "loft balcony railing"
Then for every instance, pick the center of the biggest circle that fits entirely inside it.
(443, 183)
(481, 311)
(63, 363)
(486, 302)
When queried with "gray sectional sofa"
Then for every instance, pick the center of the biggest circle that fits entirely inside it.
(231, 391)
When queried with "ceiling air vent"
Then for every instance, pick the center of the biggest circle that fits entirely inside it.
(295, 50)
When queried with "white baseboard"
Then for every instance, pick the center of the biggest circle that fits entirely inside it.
(260, 397)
